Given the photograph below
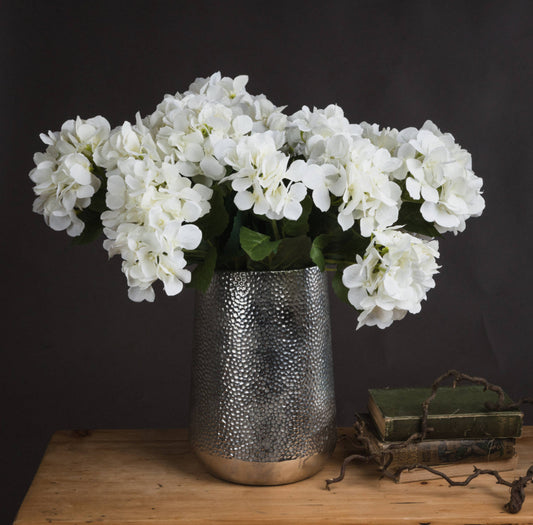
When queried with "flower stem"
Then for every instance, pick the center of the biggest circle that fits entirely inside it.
(333, 261)
(275, 230)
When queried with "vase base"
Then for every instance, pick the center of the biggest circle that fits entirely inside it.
(262, 473)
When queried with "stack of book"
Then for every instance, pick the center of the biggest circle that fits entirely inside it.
(465, 433)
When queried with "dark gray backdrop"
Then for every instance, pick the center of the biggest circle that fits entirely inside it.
(76, 353)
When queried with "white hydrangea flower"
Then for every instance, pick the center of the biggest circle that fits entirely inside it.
(392, 278)
(348, 166)
(126, 141)
(440, 174)
(64, 174)
(217, 88)
(149, 205)
(188, 136)
(263, 180)
(308, 130)
(232, 93)
(150, 254)
(369, 195)
(266, 115)
(437, 172)
(196, 128)
(395, 142)
(324, 137)
(323, 180)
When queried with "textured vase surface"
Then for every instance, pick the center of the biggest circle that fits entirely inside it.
(262, 399)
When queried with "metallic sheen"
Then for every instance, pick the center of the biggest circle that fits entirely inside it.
(262, 403)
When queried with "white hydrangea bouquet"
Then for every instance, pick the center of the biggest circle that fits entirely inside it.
(219, 179)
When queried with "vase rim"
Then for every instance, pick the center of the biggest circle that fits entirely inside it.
(251, 272)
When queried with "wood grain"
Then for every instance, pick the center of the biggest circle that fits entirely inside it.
(150, 477)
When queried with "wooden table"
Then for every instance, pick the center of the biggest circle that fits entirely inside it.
(138, 477)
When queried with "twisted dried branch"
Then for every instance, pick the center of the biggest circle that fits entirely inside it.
(518, 494)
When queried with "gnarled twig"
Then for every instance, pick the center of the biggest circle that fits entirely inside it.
(517, 486)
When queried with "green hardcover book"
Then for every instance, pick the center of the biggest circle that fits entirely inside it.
(454, 413)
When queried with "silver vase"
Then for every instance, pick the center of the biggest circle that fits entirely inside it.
(262, 400)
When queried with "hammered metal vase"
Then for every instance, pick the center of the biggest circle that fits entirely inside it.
(262, 400)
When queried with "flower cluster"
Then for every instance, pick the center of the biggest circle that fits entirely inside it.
(392, 277)
(222, 179)
(436, 172)
(350, 167)
(64, 174)
(150, 210)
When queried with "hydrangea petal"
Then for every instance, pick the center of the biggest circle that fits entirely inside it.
(189, 236)
(244, 200)
(212, 168)
(321, 198)
(172, 285)
(80, 174)
(413, 187)
(242, 124)
(138, 295)
(292, 210)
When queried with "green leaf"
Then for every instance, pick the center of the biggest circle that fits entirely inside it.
(203, 273)
(231, 256)
(91, 215)
(257, 245)
(292, 254)
(323, 222)
(93, 227)
(316, 252)
(340, 247)
(216, 221)
(197, 255)
(301, 225)
(345, 245)
(340, 290)
(98, 199)
(233, 245)
(411, 219)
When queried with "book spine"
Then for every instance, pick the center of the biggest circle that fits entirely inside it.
(435, 452)
(457, 426)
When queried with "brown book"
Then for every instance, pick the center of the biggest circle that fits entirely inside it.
(455, 458)
(439, 451)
